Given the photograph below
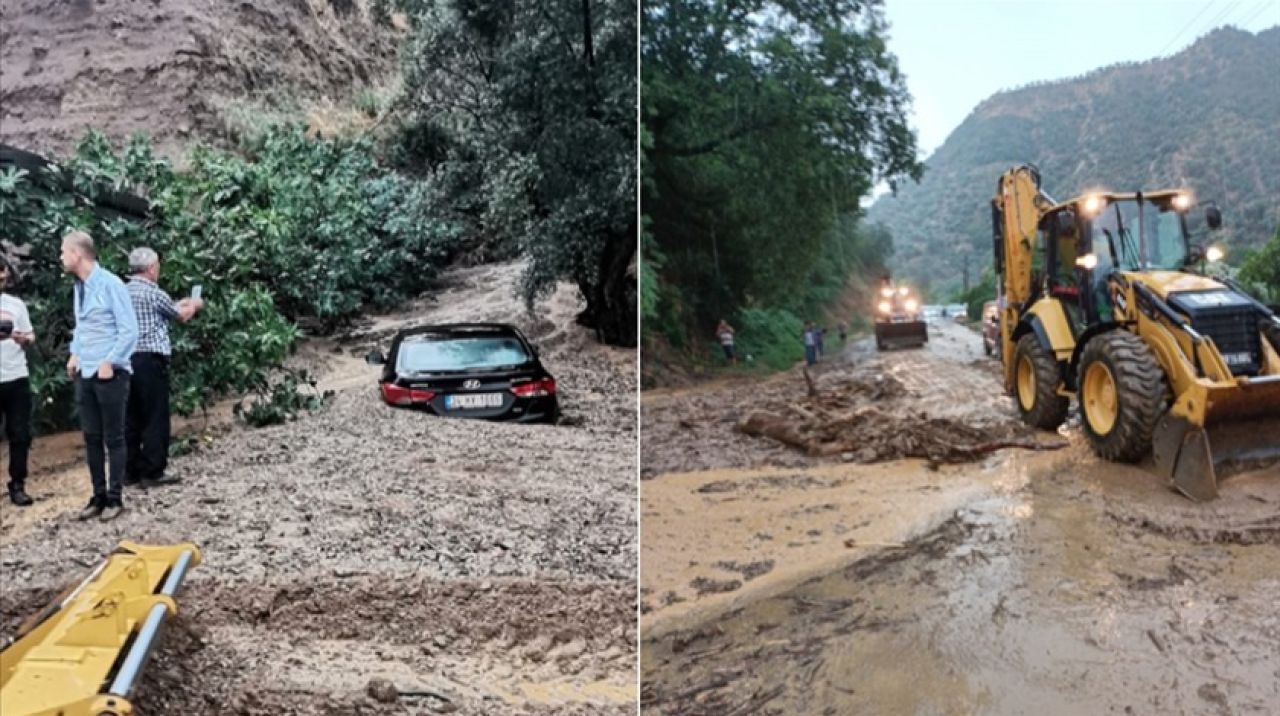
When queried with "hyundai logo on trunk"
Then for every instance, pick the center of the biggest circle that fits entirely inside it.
(471, 384)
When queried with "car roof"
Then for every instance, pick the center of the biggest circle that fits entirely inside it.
(462, 329)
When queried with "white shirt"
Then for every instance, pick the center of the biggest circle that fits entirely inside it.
(13, 360)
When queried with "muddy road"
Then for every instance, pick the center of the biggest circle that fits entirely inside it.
(780, 581)
(476, 567)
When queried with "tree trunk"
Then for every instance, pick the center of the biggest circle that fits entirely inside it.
(611, 302)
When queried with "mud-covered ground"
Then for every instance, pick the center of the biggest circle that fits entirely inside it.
(1044, 581)
(176, 70)
(487, 568)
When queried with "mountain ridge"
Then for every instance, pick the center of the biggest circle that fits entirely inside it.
(1203, 119)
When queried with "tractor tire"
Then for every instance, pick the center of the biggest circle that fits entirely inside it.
(1122, 395)
(1035, 390)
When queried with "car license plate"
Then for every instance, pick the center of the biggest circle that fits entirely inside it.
(473, 401)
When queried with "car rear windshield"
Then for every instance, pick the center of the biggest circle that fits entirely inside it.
(432, 352)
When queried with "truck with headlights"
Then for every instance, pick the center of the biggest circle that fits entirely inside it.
(898, 319)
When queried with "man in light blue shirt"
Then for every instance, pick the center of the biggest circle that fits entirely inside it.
(105, 335)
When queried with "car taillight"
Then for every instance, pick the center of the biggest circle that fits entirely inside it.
(535, 388)
(400, 395)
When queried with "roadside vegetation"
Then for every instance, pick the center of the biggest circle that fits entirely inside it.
(764, 125)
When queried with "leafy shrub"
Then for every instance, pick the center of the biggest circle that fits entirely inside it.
(300, 230)
(273, 403)
(773, 337)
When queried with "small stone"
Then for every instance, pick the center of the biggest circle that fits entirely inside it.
(382, 691)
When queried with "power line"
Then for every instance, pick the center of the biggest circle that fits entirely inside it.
(1265, 4)
(1221, 17)
(1184, 28)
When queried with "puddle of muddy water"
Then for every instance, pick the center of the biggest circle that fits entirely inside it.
(1034, 600)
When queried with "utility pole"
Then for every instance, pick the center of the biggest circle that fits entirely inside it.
(966, 272)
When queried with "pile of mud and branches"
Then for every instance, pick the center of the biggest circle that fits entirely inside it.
(863, 420)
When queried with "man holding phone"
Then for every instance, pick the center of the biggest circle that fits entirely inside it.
(147, 434)
(15, 386)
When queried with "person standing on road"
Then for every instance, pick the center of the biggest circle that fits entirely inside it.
(810, 343)
(724, 332)
(844, 332)
(16, 334)
(147, 417)
(106, 331)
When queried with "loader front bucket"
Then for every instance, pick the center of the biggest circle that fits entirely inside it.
(1182, 455)
(901, 334)
(84, 653)
(1243, 430)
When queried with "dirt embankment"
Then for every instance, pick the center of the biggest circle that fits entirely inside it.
(174, 70)
(1023, 580)
(492, 565)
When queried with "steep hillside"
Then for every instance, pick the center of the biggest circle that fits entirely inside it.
(1207, 119)
(175, 70)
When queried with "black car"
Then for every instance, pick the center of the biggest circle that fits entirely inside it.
(468, 370)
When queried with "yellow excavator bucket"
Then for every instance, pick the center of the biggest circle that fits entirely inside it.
(83, 654)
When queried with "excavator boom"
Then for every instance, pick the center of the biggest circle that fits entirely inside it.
(83, 654)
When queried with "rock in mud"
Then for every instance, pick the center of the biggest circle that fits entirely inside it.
(382, 691)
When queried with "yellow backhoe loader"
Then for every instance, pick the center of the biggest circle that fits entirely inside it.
(83, 654)
(1101, 301)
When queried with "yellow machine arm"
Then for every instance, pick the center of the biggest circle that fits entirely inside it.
(83, 654)
(1018, 207)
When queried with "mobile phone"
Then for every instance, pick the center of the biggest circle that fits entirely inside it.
(195, 290)
(6, 329)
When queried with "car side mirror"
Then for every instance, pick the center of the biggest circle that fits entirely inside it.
(1213, 217)
(375, 357)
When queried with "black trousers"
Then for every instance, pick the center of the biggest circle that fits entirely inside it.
(15, 408)
(147, 434)
(102, 406)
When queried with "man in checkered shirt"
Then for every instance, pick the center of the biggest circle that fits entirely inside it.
(147, 423)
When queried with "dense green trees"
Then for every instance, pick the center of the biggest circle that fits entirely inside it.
(523, 114)
(764, 124)
(1261, 269)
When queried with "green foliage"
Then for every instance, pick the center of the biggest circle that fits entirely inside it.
(1196, 120)
(773, 337)
(765, 123)
(301, 229)
(281, 401)
(523, 115)
(1262, 269)
(978, 294)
